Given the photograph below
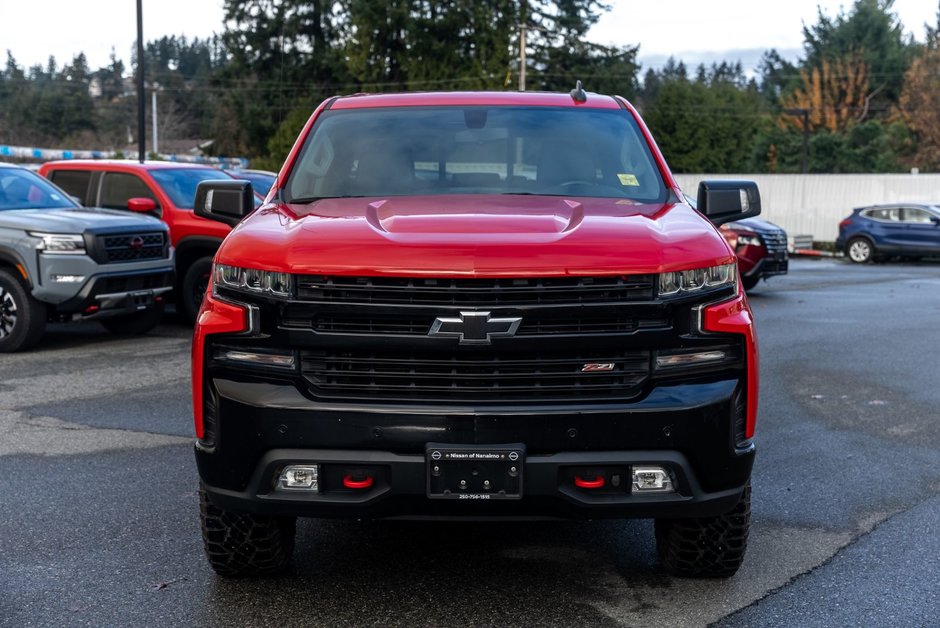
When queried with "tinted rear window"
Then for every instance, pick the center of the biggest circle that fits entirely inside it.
(75, 182)
(476, 150)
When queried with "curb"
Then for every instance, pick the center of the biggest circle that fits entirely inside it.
(815, 253)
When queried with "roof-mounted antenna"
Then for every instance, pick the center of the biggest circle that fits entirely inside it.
(578, 94)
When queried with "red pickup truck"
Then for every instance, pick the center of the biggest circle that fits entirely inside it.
(475, 305)
(164, 189)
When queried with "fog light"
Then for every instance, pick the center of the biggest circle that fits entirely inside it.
(651, 480)
(68, 278)
(299, 478)
(256, 358)
(689, 359)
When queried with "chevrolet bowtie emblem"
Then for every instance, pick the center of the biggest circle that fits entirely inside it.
(475, 328)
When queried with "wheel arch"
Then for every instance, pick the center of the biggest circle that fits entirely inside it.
(191, 249)
(861, 236)
(12, 260)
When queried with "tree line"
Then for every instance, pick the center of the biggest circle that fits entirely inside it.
(863, 97)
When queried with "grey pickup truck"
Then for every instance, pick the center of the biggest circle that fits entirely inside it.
(60, 261)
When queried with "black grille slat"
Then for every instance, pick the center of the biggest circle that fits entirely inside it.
(121, 247)
(110, 285)
(473, 292)
(774, 241)
(411, 377)
(533, 324)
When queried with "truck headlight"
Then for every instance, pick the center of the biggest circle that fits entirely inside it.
(62, 243)
(749, 240)
(254, 281)
(688, 281)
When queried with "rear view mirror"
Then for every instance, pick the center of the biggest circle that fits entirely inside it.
(727, 201)
(224, 200)
(141, 204)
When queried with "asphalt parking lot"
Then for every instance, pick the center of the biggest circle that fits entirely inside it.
(98, 506)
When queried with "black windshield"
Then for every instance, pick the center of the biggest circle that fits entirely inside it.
(476, 150)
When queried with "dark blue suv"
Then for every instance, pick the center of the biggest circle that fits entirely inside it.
(909, 230)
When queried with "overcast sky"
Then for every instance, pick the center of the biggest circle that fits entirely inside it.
(690, 30)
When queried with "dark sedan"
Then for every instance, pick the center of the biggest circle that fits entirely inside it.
(907, 230)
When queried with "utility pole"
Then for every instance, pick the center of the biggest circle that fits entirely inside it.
(153, 108)
(804, 114)
(141, 126)
(522, 16)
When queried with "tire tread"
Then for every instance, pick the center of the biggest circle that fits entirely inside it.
(706, 547)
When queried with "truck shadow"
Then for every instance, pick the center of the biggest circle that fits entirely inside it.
(445, 573)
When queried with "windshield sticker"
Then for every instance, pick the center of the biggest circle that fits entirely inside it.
(628, 179)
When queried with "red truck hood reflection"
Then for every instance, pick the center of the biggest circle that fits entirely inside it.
(475, 235)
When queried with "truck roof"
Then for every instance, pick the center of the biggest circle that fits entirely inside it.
(127, 163)
(423, 99)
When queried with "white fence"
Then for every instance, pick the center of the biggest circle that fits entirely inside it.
(813, 204)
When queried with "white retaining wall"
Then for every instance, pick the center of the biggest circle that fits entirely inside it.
(813, 204)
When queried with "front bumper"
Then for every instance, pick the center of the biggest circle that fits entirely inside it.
(769, 266)
(692, 430)
(114, 294)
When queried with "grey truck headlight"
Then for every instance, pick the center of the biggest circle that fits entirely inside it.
(62, 243)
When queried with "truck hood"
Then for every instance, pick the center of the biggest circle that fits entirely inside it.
(475, 235)
(76, 220)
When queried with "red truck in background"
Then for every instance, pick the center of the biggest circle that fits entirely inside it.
(164, 189)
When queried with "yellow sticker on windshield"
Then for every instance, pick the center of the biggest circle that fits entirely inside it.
(628, 179)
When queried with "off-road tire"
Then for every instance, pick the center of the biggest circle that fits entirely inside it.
(860, 250)
(241, 544)
(22, 318)
(193, 288)
(136, 323)
(705, 547)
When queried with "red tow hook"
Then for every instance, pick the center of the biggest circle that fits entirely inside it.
(350, 482)
(597, 482)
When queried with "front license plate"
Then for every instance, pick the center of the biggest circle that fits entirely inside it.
(475, 472)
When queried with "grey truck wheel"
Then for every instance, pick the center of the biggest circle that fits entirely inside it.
(22, 318)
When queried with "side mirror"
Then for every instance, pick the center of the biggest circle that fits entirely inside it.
(727, 201)
(141, 204)
(935, 220)
(224, 200)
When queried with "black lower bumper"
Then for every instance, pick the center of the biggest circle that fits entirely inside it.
(691, 430)
(119, 293)
(399, 484)
(769, 266)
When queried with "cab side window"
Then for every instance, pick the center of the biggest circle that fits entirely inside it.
(890, 214)
(916, 215)
(118, 187)
(75, 183)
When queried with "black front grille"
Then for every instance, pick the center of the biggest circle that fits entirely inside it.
(480, 377)
(474, 292)
(111, 285)
(391, 323)
(130, 247)
(774, 240)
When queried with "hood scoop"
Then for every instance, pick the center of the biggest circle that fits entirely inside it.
(553, 216)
